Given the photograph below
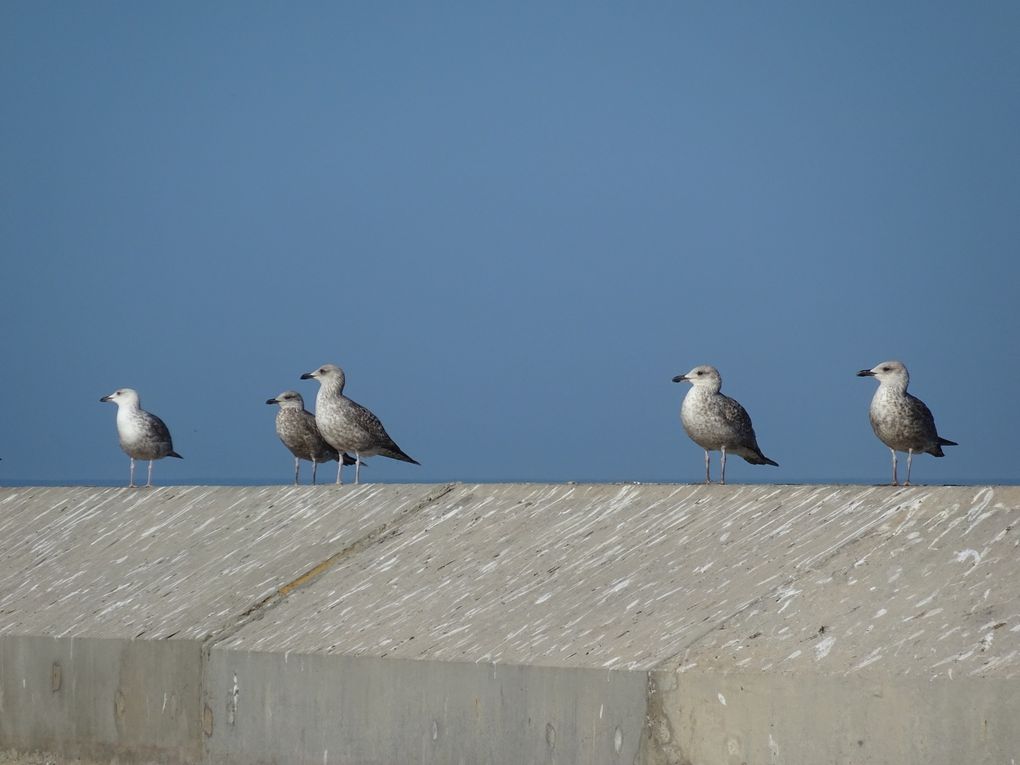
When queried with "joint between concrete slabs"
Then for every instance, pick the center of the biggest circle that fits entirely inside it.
(315, 572)
(307, 578)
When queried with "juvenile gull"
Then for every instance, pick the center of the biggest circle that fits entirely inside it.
(143, 436)
(348, 426)
(901, 421)
(297, 429)
(716, 422)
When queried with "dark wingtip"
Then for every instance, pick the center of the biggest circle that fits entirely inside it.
(946, 442)
(175, 454)
(771, 462)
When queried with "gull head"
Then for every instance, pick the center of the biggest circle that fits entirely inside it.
(123, 397)
(893, 372)
(327, 373)
(289, 399)
(702, 376)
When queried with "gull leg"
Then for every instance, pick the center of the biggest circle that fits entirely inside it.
(131, 482)
(895, 479)
(149, 482)
(315, 466)
(297, 468)
(357, 467)
(340, 472)
(910, 457)
(708, 474)
(723, 479)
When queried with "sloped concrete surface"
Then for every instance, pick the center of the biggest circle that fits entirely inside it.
(170, 562)
(509, 623)
(932, 590)
(628, 576)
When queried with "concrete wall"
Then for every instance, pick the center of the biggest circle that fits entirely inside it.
(512, 623)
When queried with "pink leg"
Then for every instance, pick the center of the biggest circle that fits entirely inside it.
(723, 479)
(708, 474)
(910, 457)
(895, 479)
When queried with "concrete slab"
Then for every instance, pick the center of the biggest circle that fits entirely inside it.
(610, 576)
(171, 562)
(649, 624)
(100, 699)
(314, 709)
(931, 592)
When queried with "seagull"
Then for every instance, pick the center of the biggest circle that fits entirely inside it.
(348, 426)
(716, 422)
(296, 428)
(901, 421)
(143, 436)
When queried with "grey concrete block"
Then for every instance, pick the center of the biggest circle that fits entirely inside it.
(101, 699)
(313, 709)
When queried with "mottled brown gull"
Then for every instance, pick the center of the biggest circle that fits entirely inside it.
(901, 421)
(143, 435)
(716, 422)
(296, 427)
(348, 426)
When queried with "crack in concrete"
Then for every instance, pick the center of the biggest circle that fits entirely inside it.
(313, 574)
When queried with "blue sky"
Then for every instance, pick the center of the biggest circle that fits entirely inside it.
(511, 224)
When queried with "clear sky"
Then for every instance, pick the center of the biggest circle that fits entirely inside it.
(511, 224)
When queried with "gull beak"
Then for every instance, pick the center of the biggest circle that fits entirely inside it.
(307, 376)
(680, 378)
(272, 401)
(105, 398)
(865, 373)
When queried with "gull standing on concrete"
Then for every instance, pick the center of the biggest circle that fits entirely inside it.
(716, 422)
(901, 421)
(348, 426)
(143, 436)
(297, 429)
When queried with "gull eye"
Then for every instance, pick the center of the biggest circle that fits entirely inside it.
(700, 374)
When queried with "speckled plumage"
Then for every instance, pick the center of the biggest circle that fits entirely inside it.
(716, 422)
(347, 425)
(142, 435)
(901, 421)
(297, 430)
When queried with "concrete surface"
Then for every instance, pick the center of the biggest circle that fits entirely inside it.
(512, 623)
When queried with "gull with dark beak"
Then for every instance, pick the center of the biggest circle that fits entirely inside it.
(143, 436)
(716, 422)
(297, 430)
(901, 421)
(346, 425)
